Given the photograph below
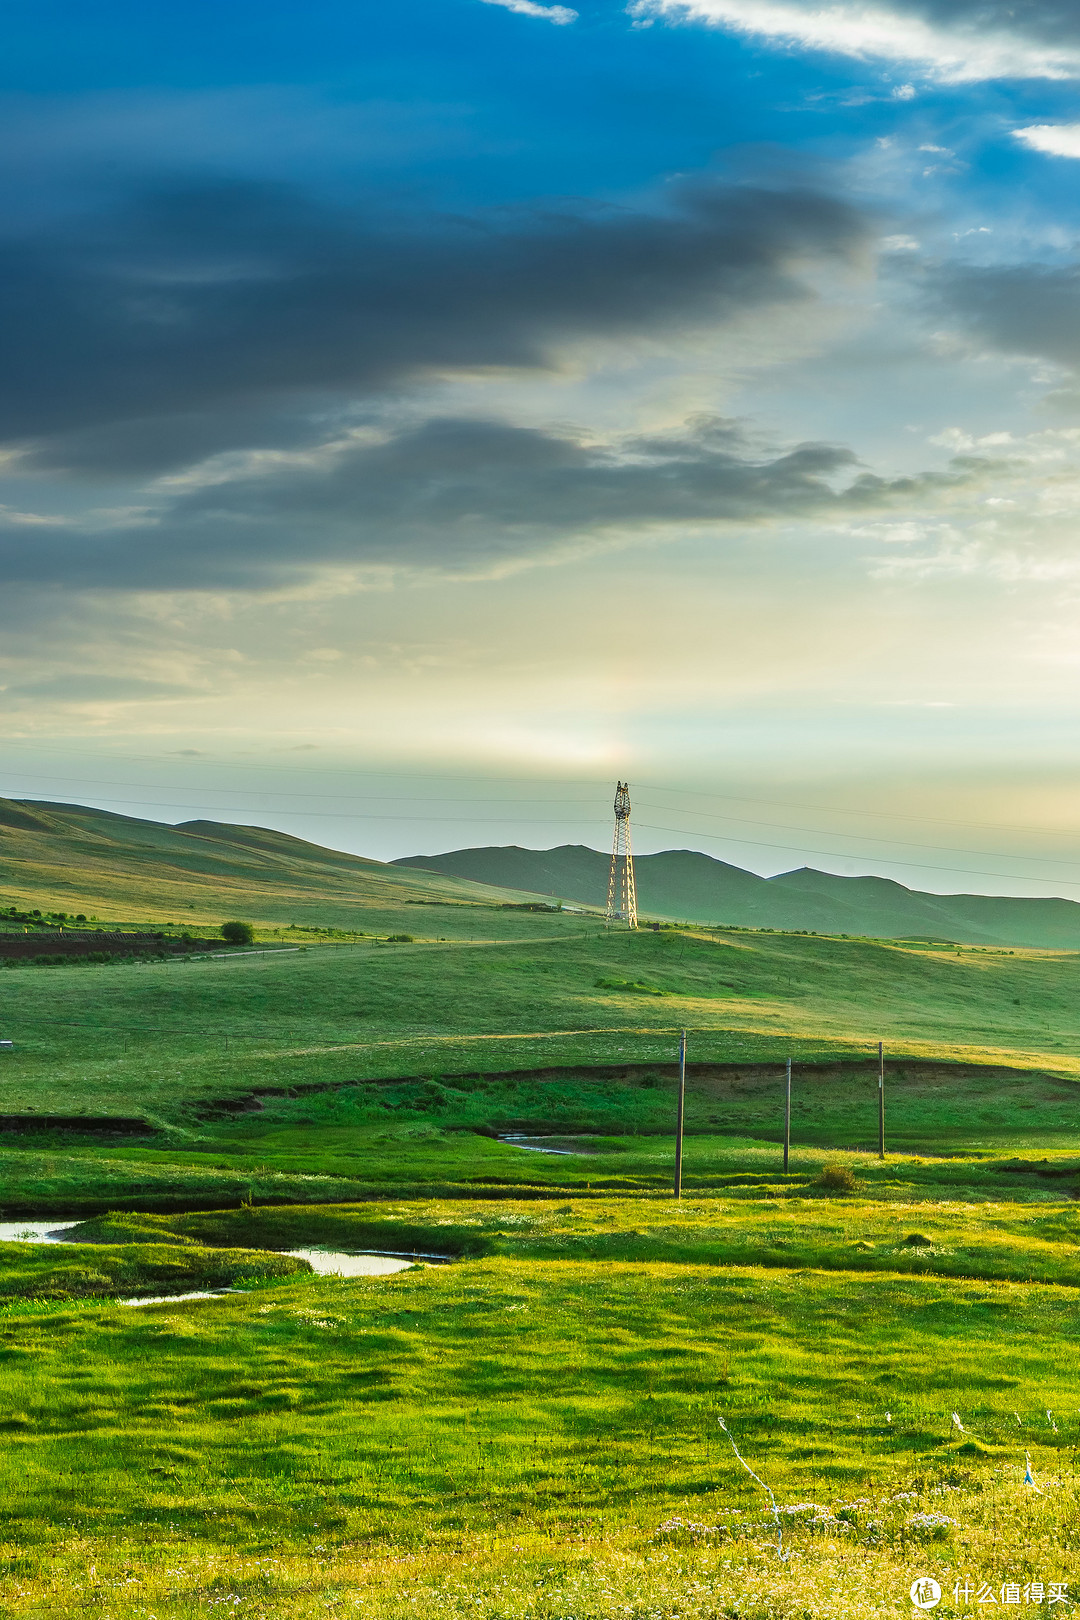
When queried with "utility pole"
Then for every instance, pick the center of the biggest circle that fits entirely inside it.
(881, 1100)
(787, 1118)
(681, 1115)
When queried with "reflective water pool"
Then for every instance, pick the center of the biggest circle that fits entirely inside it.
(326, 1262)
(34, 1231)
(330, 1264)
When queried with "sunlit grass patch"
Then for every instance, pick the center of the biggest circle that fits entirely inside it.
(504, 1438)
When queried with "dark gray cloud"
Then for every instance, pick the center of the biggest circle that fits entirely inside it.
(154, 444)
(453, 495)
(1016, 309)
(1049, 21)
(182, 323)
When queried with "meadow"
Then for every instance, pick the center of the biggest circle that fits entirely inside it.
(532, 1428)
(504, 1436)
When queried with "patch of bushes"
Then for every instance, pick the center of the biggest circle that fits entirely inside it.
(837, 1178)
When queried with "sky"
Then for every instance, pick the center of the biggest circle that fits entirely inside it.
(415, 418)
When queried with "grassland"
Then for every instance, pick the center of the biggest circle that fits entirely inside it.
(375, 1068)
(531, 1429)
(511, 1436)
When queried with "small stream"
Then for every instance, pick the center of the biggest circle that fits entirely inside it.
(325, 1262)
(542, 1144)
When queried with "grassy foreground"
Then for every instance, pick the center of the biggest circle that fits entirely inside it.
(513, 1435)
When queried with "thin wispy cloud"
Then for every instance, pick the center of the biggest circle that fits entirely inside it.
(560, 15)
(949, 54)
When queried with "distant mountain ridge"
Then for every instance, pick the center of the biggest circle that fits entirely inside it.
(685, 885)
(83, 859)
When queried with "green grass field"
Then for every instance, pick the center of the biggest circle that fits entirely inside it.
(512, 1435)
(532, 1429)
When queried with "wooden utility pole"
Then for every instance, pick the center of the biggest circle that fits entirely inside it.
(881, 1100)
(787, 1118)
(681, 1114)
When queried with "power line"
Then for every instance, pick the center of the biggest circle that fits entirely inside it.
(837, 855)
(311, 793)
(793, 847)
(402, 798)
(597, 784)
(846, 810)
(904, 843)
(329, 815)
(678, 832)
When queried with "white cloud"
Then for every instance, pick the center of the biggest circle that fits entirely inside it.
(848, 28)
(1059, 140)
(526, 8)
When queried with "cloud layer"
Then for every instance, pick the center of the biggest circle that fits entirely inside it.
(206, 308)
(452, 495)
(955, 41)
(1027, 310)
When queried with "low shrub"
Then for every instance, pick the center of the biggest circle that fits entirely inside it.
(237, 933)
(837, 1178)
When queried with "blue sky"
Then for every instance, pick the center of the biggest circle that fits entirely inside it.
(413, 418)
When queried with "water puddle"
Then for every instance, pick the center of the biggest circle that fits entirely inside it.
(324, 1262)
(35, 1231)
(330, 1264)
(177, 1299)
(542, 1144)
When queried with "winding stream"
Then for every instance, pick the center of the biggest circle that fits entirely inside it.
(325, 1262)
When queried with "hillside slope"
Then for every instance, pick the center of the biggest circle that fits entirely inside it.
(70, 858)
(685, 885)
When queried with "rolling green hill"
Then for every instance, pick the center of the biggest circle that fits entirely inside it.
(684, 885)
(73, 858)
(68, 857)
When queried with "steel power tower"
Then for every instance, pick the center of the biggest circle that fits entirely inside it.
(621, 893)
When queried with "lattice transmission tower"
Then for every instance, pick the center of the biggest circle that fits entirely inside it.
(621, 893)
